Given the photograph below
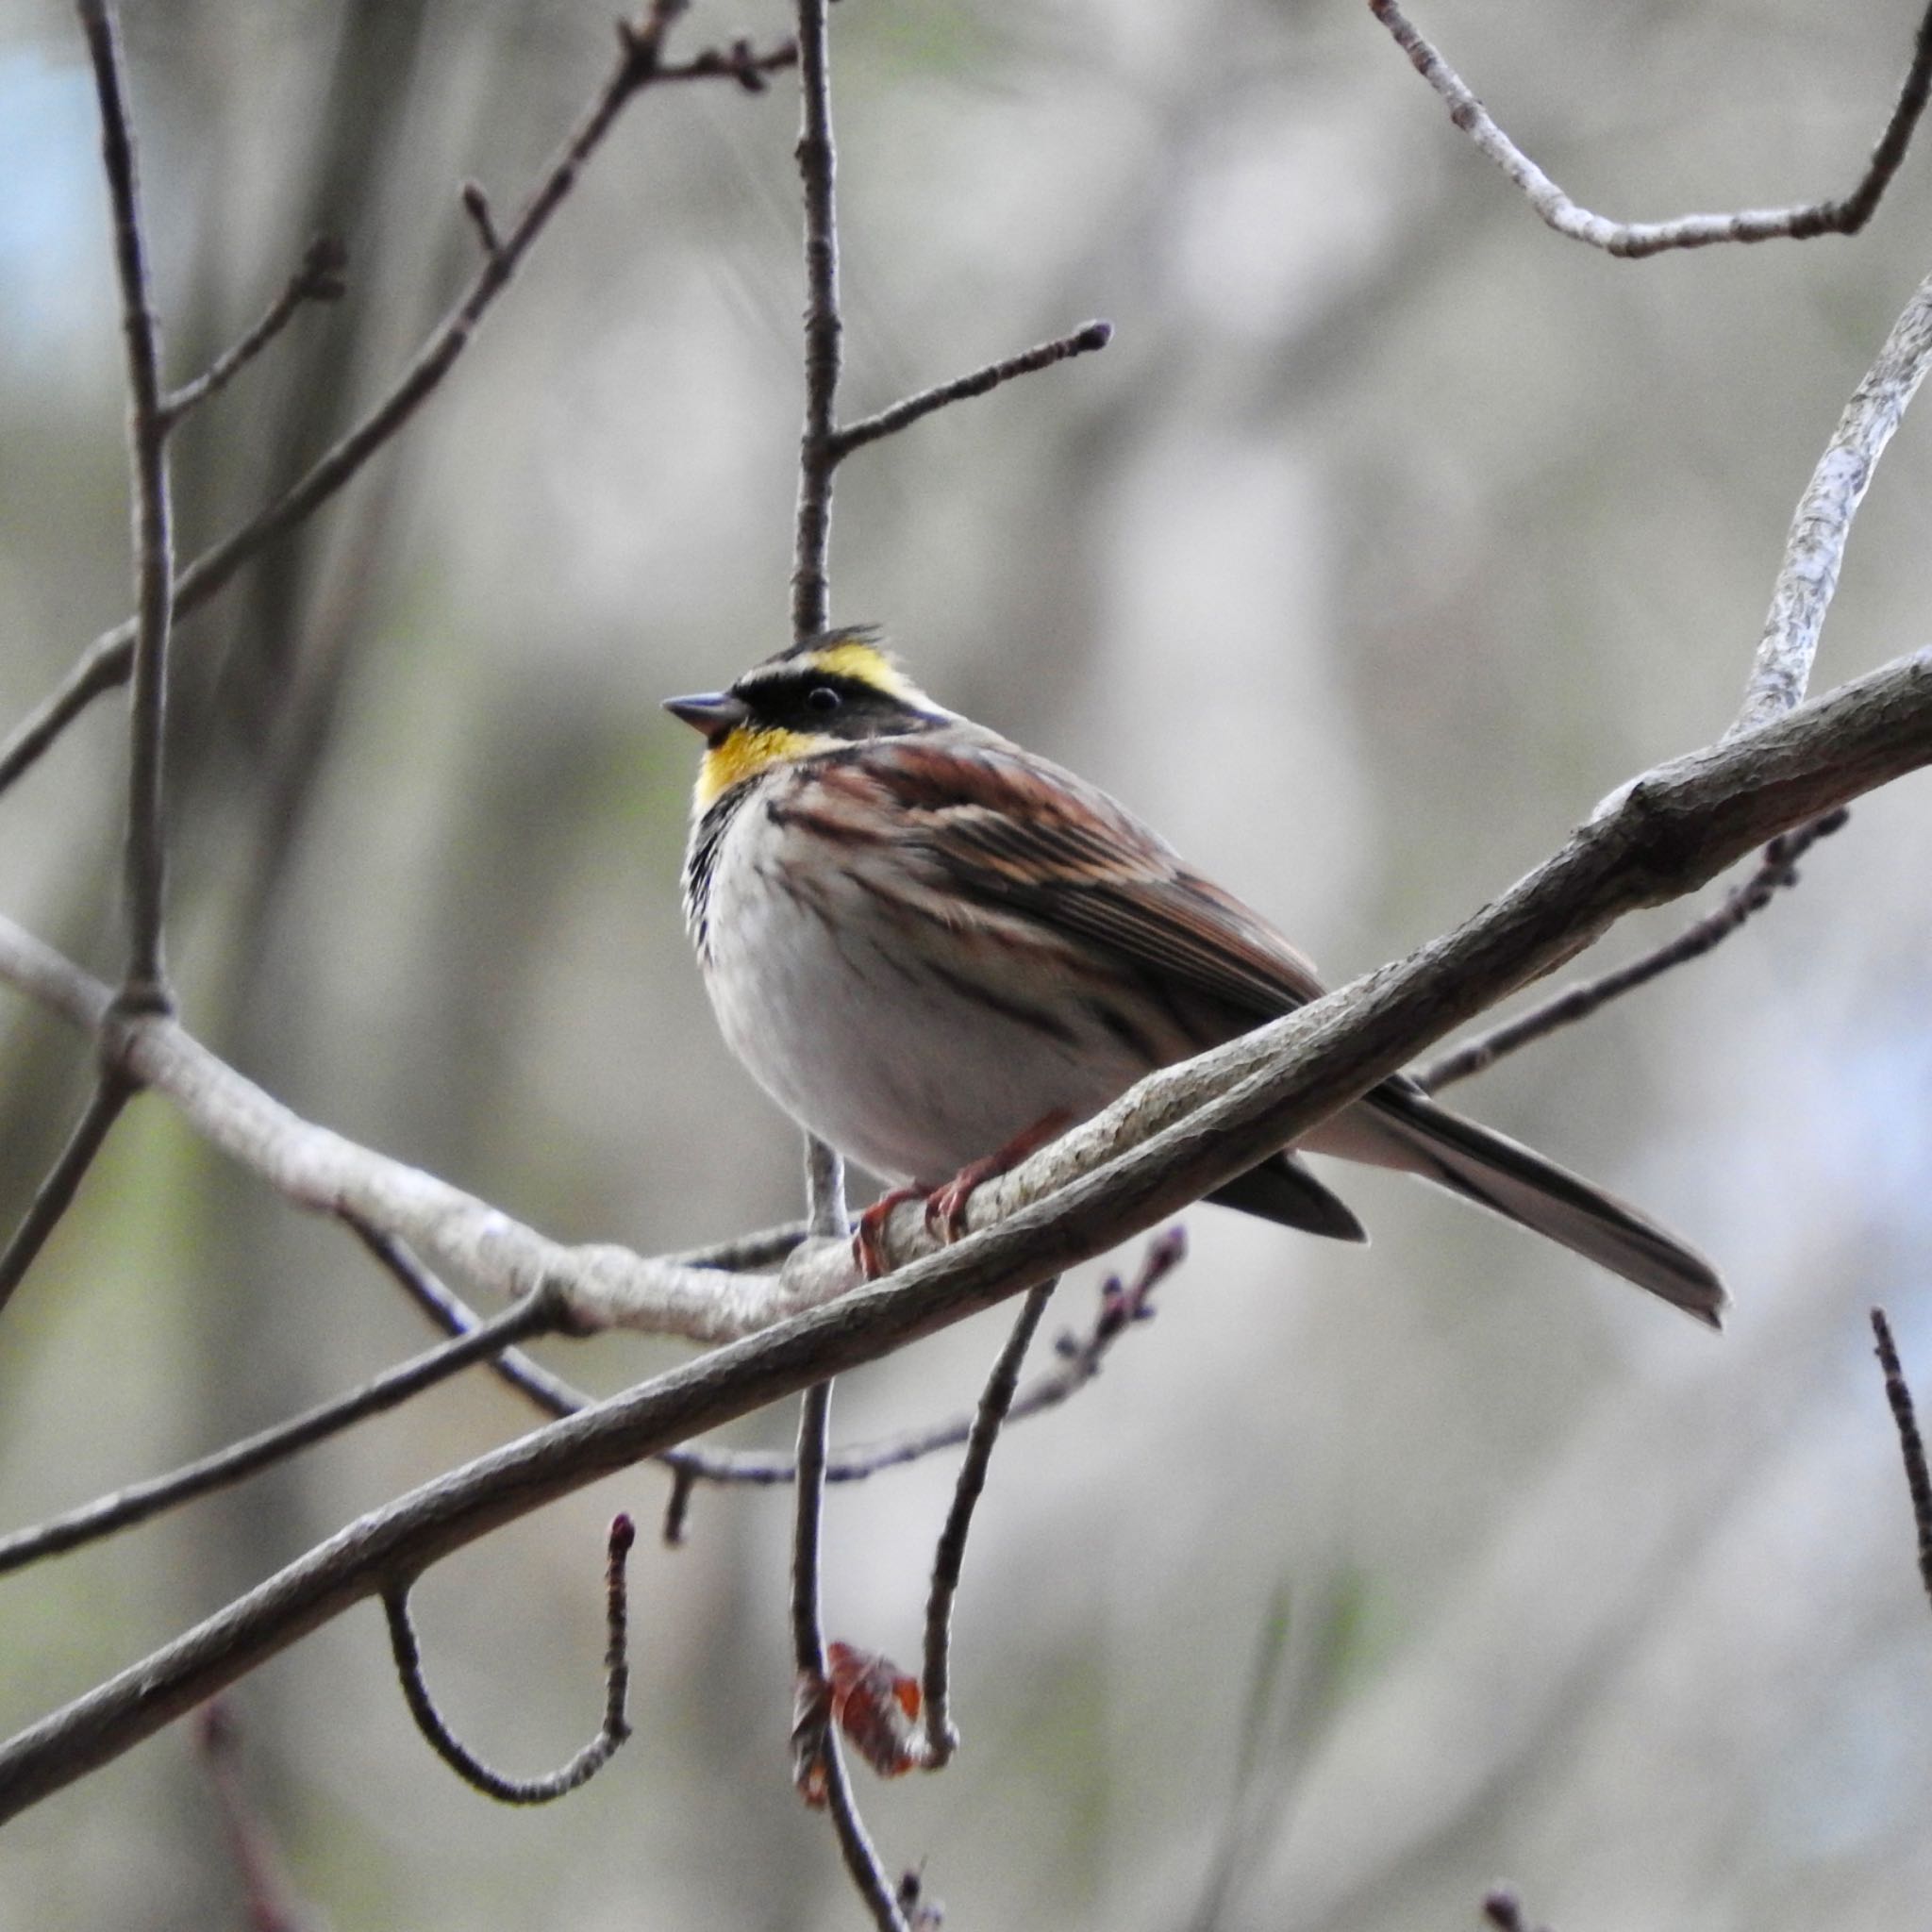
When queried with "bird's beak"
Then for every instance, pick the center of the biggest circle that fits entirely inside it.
(716, 713)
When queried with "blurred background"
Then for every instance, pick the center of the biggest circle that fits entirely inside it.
(1389, 535)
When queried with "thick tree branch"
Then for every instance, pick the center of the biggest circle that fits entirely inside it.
(1632, 241)
(1674, 830)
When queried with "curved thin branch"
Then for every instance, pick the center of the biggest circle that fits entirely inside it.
(1632, 241)
(1911, 1444)
(611, 1735)
(1679, 827)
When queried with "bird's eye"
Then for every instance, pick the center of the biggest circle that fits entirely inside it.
(821, 697)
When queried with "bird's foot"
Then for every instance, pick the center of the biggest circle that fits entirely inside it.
(946, 1207)
(869, 1237)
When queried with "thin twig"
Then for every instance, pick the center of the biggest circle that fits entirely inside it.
(477, 205)
(808, 1633)
(54, 1195)
(1777, 870)
(144, 988)
(105, 664)
(817, 456)
(1631, 240)
(1911, 1445)
(318, 279)
(941, 1735)
(818, 1762)
(851, 435)
(677, 1506)
(268, 1899)
(139, 1501)
(588, 1762)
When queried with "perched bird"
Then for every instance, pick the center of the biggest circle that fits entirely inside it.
(932, 947)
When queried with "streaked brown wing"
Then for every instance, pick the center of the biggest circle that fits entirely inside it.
(1017, 833)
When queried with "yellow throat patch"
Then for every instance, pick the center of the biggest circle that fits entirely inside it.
(747, 752)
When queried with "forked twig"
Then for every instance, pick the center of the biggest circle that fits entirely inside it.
(588, 1762)
(1845, 215)
(318, 278)
(105, 664)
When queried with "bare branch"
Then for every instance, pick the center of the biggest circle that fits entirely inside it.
(321, 1170)
(145, 987)
(139, 1501)
(1682, 825)
(1090, 335)
(818, 1762)
(941, 1735)
(107, 660)
(1777, 870)
(817, 460)
(55, 1194)
(1815, 548)
(588, 1762)
(1911, 1445)
(318, 279)
(1632, 241)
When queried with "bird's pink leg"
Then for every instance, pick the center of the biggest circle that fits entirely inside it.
(946, 1207)
(869, 1237)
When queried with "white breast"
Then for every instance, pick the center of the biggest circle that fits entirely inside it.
(912, 1048)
